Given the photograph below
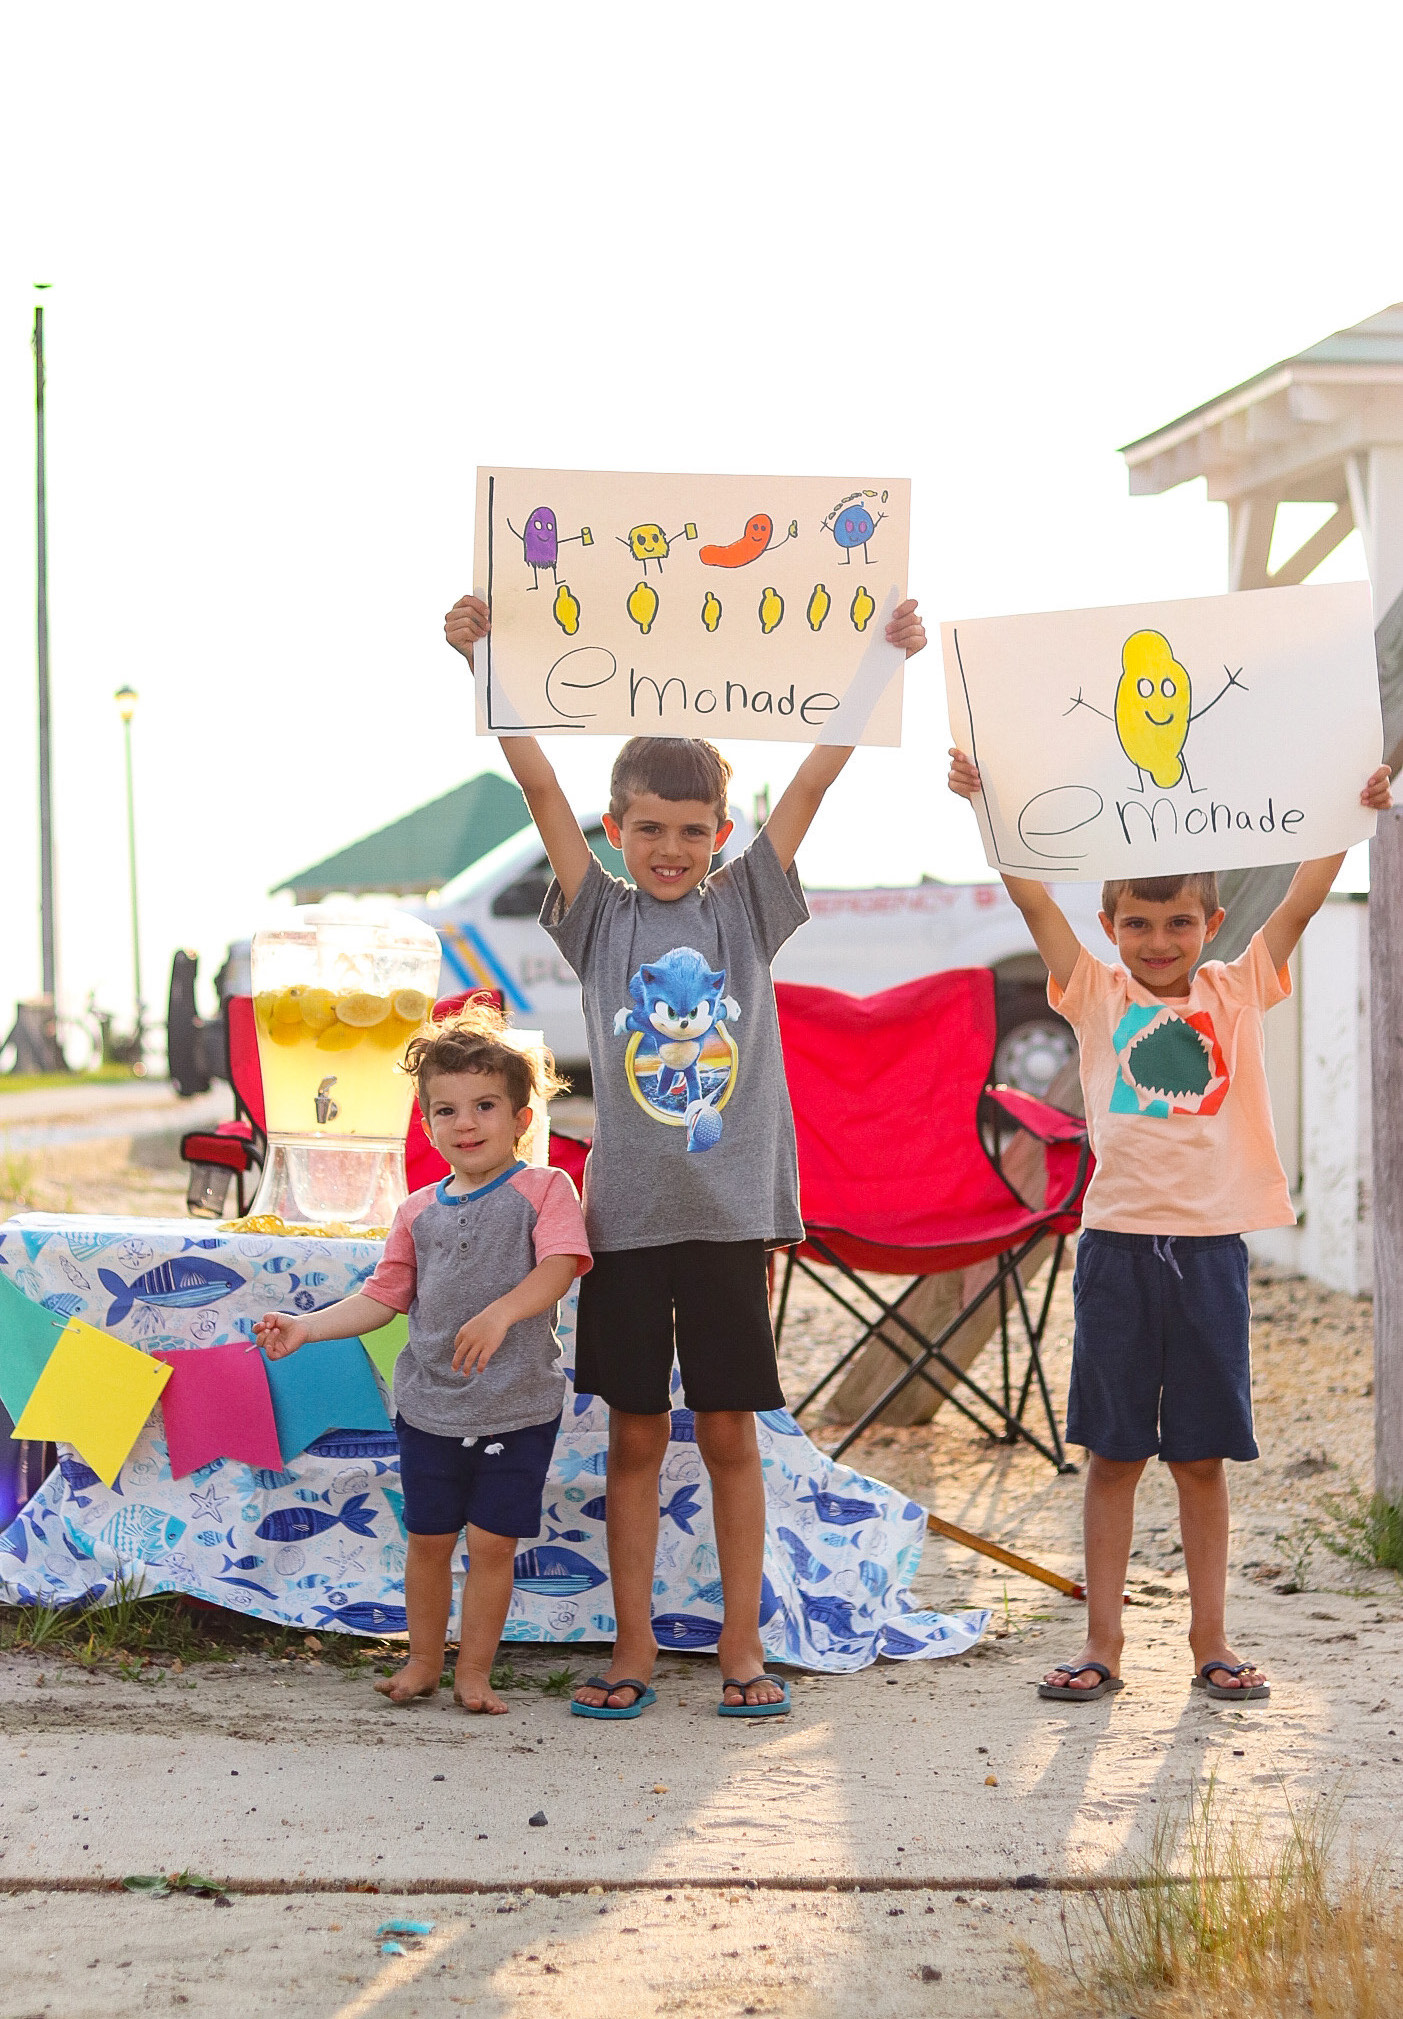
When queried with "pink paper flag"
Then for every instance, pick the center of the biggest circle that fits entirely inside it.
(216, 1405)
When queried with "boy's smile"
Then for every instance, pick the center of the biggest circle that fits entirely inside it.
(472, 1125)
(1161, 942)
(667, 844)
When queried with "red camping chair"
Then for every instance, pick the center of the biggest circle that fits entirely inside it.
(900, 1135)
(422, 1163)
(238, 1145)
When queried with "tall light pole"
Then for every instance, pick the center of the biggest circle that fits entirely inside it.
(126, 700)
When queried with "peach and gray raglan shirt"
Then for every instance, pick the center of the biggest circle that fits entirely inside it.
(448, 1256)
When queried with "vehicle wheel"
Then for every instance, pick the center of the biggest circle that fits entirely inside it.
(1033, 1053)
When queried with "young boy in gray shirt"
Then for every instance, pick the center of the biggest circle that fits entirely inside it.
(479, 1263)
(693, 1173)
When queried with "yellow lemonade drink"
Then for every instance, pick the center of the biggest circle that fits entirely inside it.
(331, 1059)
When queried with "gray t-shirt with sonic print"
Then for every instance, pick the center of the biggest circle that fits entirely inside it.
(694, 1135)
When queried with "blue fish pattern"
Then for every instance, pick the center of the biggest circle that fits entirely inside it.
(295, 1524)
(841, 1509)
(356, 1444)
(296, 1546)
(680, 1509)
(178, 1284)
(807, 1568)
(685, 1630)
(550, 1569)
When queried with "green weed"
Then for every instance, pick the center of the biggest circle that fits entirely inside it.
(1363, 1529)
(1214, 1919)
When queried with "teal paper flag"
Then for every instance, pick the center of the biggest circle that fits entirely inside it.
(325, 1385)
(28, 1336)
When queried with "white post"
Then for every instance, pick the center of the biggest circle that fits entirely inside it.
(1386, 993)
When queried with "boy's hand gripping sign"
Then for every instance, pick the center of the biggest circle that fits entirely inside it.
(1161, 738)
(627, 605)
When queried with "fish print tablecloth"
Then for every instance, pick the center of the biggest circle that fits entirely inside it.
(320, 1544)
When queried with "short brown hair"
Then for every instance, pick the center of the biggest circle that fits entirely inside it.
(1202, 884)
(472, 1040)
(675, 767)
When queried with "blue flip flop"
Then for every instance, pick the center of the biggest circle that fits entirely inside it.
(646, 1697)
(775, 1710)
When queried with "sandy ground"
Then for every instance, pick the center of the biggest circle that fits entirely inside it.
(951, 1773)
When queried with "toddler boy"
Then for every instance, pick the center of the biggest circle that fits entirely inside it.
(693, 1173)
(1174, 1078)
(479, 1262)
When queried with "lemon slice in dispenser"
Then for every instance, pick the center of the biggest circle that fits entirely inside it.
(339, 1037)
(411, 1005)
(318, 1008)
(362, 1010)
(287, 1006)
(393, 1034)
(263, 1006)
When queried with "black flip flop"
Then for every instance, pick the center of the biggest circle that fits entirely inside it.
(645, 1696)
(1065, 1693)
(1254, 1692)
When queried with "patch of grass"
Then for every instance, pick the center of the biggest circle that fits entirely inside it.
(1297, 1545)
(31, 1083)
(17, 1176)
(1363, 1529)
(172, 1631)
(1213, 1920)
(507, 1676)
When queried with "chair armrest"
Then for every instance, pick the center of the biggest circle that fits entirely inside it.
(1039, 1118)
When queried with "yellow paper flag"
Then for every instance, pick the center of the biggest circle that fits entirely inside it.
(95, 1393)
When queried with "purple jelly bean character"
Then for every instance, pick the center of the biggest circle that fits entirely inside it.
(541, 542)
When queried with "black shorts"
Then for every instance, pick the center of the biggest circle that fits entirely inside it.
(1162, 1360)
(707, 1300)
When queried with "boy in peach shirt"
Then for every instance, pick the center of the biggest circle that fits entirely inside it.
(1174, 1078)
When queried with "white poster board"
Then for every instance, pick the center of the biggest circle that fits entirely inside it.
(636, 605)
(1165, 737)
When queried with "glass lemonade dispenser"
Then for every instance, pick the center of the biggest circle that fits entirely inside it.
(338, 992)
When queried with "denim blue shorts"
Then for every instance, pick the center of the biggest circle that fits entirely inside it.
(494, 1482)
(1162, 1362)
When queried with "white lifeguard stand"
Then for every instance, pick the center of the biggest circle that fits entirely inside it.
(1326, 427)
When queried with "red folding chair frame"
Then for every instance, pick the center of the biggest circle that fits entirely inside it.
(847, 1252)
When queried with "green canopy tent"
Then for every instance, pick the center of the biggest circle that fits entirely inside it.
(423, 850)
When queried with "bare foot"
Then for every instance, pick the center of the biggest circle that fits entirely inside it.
(623, 1698)
(741, 1655)
(1219, 1653)
(473, 1691)
(1107, 1655)
(415, 1679)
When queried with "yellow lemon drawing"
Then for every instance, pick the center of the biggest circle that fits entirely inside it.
(1153, 702)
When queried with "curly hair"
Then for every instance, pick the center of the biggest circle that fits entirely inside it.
(474, 1040)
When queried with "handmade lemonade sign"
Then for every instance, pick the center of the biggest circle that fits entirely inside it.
(1160, 737)
(626, 605)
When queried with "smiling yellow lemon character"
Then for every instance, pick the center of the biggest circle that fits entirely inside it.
(1153, 701)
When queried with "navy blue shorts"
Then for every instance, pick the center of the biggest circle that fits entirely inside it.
(1162, 1363)
(494, 1482)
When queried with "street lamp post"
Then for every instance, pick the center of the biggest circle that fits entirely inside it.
(126, 699)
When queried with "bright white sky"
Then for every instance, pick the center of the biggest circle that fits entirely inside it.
(312, 264)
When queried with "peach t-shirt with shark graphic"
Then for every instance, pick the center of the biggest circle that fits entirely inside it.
(1177, 1106)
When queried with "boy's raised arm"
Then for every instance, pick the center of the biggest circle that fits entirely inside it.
(552, 812)
(1310, 886)
(803, 796)
(1045, 919)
